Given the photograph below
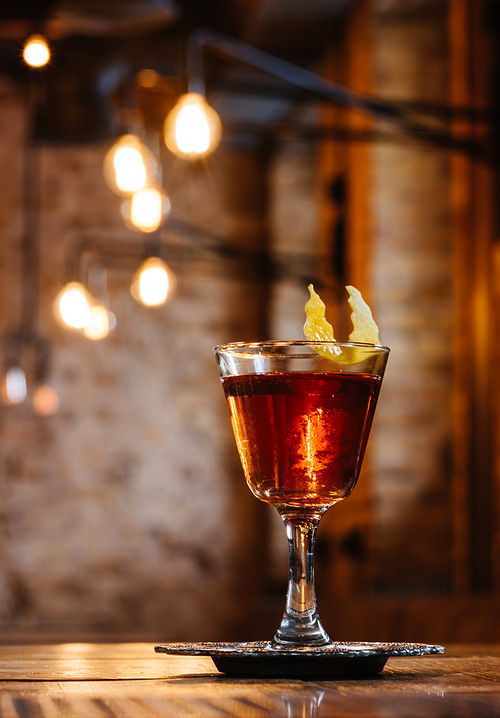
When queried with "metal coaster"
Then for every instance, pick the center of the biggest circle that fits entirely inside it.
(267, 659)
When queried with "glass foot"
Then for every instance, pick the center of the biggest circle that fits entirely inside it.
(301, 629)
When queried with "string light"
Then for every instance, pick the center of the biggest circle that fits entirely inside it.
(45, 400)
(192, 129)
(72, 306)
(36, 52)
(128, 165)
(153, 283)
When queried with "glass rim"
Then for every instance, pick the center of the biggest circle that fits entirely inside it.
(238, 346)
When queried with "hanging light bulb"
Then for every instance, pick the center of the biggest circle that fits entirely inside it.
(128, 165)
(148, 209)
(153, 283)
(99, 324)
(72, 306)
(45, 400)
(192, 129)
(36, 51)
(13, 386)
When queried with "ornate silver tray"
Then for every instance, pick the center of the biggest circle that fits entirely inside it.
(266, 659)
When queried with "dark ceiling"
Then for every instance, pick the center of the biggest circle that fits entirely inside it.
(99, 45)
(270, 23)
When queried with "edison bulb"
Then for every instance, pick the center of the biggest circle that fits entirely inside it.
(193, 128)
(98, 325)
(153, 282)
(36, 51)
(147, 209)
(130, 169)
(13, 387)
(45, 400)
(72, 306)
(128, 164)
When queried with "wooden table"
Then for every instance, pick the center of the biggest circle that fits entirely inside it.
(129, 680)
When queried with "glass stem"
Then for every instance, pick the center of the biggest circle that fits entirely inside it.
(301, 624)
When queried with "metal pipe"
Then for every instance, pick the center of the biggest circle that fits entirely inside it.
(230, 49)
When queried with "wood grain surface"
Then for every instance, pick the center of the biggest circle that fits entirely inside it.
(126, 680)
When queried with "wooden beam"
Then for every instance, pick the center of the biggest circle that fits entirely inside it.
(472, 208)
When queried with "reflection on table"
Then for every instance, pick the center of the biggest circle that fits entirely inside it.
(129, 679)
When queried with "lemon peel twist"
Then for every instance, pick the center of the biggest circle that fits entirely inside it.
(365, 331)
(318, 329)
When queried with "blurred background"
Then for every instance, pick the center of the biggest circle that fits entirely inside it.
(123, 509)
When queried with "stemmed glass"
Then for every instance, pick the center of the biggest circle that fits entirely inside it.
(301, 414)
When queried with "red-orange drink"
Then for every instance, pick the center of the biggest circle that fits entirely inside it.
(301, 436)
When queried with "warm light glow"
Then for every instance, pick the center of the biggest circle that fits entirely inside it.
(72, 306)
(193, 128)
(148, 78)
(153, 283)
(130, 169)
(45, 400)
(192, 131)
(13, 387)
(127, 165)
(146, 209)
(36, 52)
(98, 325)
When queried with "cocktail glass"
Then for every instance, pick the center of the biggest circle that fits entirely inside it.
(301, 414)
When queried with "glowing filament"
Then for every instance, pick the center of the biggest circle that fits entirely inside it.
(72, 306)
(36, 52)
(98, 324)
(129, 165)
(191, 130)
(153, 286)
(146, 210)
(152, 283)
(130, 169)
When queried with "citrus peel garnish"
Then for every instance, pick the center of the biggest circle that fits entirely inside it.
(318, 329)
(365, 331)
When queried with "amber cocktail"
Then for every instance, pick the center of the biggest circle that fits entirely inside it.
(301, 413)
